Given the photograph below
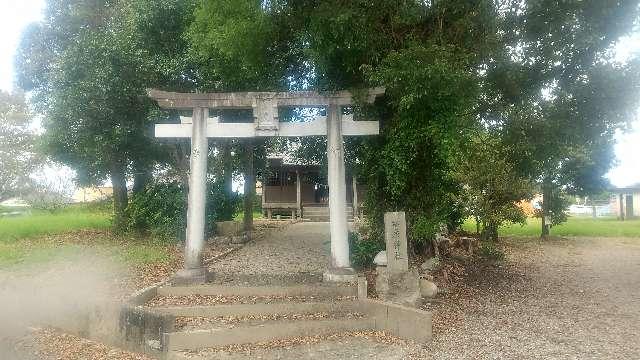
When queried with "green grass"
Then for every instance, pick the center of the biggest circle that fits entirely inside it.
(142, 252)
(38, 223)
(239, 216)
(39, 237)
(575, 226)
(128, 251)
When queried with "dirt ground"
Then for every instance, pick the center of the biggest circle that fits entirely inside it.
(558, 299)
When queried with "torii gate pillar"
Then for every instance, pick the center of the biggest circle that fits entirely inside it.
(194, 271)
(340, 269)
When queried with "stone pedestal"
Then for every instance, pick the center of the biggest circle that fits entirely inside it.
(395, 282)
(340, 275)
(191, 276)
(229, 228)
(399, 287)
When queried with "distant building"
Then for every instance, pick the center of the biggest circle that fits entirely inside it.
(91, 194)
(297, 190)
(626, 201)
(14, 202)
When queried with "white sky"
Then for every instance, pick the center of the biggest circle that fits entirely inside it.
(16, 14)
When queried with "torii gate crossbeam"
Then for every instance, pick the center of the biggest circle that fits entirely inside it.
(265, 124)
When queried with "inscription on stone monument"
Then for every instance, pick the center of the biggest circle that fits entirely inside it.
(395, 235)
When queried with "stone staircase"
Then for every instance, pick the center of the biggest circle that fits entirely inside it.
(320, 213)
(170, 321)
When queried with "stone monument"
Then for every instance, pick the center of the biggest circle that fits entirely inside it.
(395, 281)
(395, 237)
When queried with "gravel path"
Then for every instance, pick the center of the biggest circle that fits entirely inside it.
(559, 299)
(562, 299)
(349, 345)
(299, 249)
(325, 350)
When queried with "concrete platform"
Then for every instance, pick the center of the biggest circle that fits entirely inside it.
(261, 309)
(320, 289)
(192, 340)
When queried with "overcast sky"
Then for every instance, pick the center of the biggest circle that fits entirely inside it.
(16, 14)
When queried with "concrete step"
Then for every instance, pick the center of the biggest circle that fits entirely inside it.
(199, 339)
(337, 306)
(322, 218)
(193, 323)
(321, 214)
(320, 290)
(223, 278)
(322, 211)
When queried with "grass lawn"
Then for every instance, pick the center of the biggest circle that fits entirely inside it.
(239, 216)
(39, 237)
(575, 226)
(130, 251)
(37, 223)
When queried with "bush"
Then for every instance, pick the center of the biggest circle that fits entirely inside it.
(490, 251)
(45, 198)
(161, 209)
(363, 251)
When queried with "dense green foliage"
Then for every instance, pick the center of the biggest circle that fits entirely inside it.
(486, 101)
(492, 186)
(363, 251)
(560, 94)
(85, 75)
(161, 209)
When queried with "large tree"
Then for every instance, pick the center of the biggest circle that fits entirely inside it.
(240, 45)
(427, 55)
(559, 95)
(88, 65)
(492, 185)
(537, 72)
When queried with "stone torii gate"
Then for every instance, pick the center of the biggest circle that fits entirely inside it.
(265, 124)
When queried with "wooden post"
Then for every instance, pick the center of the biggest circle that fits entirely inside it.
(264, 193)
(354, 184)
(249, 186)
(621, 205)
(298, 194)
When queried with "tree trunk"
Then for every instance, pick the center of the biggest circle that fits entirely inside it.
(546, 198)
(120, 196)
(249, 186)
(489, 232)
(180, 152)
(227, 168)
(141, 179)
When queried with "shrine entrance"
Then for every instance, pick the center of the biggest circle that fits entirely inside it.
(293, 189)
(264, 107)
